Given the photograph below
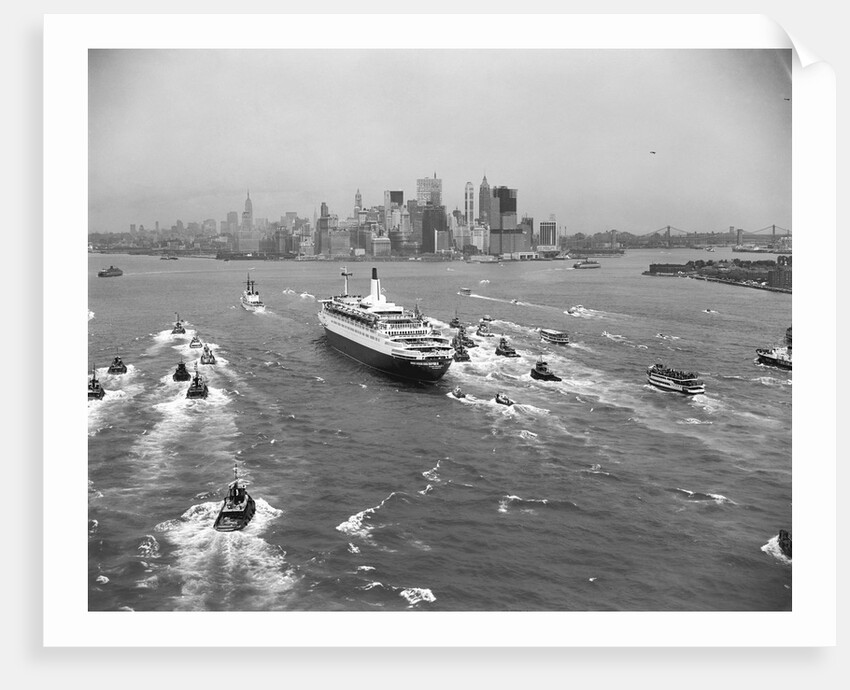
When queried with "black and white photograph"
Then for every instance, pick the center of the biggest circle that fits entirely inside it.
(438, 330)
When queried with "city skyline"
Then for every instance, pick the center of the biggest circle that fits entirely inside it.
(626, 139)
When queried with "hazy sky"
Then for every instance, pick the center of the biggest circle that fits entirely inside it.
(183, 133)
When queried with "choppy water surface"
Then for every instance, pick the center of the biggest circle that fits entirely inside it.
(595, 493)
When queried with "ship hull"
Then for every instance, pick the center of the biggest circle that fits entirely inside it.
(386, 363)
(773, 361)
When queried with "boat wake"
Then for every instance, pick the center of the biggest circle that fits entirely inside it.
(307, 295)
(531, 505)
(91, 314)
(696, 496)
(360, 524)
(226, 570)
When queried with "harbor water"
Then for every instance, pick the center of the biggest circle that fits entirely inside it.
(598, 492)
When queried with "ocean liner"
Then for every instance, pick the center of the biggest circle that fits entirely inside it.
(383, 335)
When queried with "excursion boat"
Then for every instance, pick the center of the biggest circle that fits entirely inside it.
(552, 336)
(586, 263)
(484, 329)
(117, 367)
(181, 373)
(674, 380)
(503, 399)
(504, 349)
(384, 335)
(207, 356)
(779, 356)
(195, 342)
(542, 372)
(96, 391)
(198, 387)
(250, 299)
(458, 393)
(178, 326)
(111, 272)
(238, 507)
(465, 291)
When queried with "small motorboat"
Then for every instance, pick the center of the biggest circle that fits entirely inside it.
(207, 356)
(195, 342)
(181, 373)
(542, 372)
(503, 399)
(96, 391)
(111, 272)
(178, 327)
(575, 309)
(458, 393)
(238, 507)
(484, 330)
(504, 349)
(117, 367)
(486, 317)
(198, 387)
(784, 542)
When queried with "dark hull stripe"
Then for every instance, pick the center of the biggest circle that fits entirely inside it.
(385, 363)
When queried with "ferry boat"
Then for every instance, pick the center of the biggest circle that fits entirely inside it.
(542, 372)
(117, 367)
(96, 391)
(181, 373)
(207, 356)
(111, 272)
(238, 507)
(465, 291)
(198, 387)
(250, 297)
(504, 349)
(552, 336)
(777, 356)
(674, 380)
(178, 326)
(503, 399)
(587, 263)
(383, 335)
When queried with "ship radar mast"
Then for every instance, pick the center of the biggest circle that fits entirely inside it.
(345, 273)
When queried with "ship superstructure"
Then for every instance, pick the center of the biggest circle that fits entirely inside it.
(384, 335)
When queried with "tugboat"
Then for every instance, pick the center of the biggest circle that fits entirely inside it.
(461, 355)
(111, 272)
(503, 399)
(178, 326)
(181, 373)
(484, 329)
(207, 356)
(458, 393)
(195, 342)
(504, 349)
(96, 391)
(198, 387)
(784, 542)
(557, 337)
(674, 380)
(455, 322)
(542, 372)
(462, 337)
(238, 507)
(777, 356)
(117, 367)
(250, 299)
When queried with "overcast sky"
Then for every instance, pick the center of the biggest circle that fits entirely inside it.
(182, 134)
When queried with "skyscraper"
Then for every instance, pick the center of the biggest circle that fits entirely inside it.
(469, 204)
(429, 189)
(358, 199)
(248, 215)
(484, 202)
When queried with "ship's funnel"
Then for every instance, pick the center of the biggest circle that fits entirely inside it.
(375, 292)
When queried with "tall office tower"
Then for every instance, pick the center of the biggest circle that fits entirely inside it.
(547, 233)
(484, 202)
(434, 229)
(429, 189)
(248, 214)
(393, 200)
(469, 204)
(358, 199)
